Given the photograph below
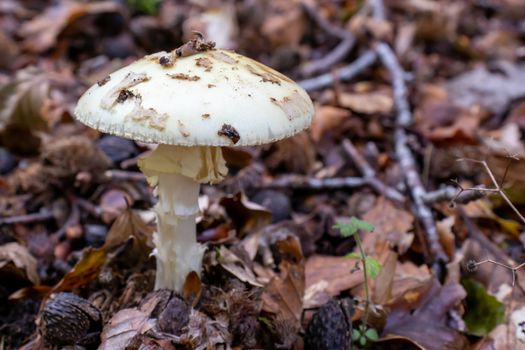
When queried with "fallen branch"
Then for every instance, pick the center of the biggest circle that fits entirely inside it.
(334, 56)
(370, 175)
(497, 187)
(345, 73)
(405, 156)
(453, 195)
(43, 215)
(303, 182)
(123, 175)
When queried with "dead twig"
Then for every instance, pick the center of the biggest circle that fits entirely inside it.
(497, 187)
(405, 157)
(303, 182)
(334, 56)
(344, 73)
(453, 195)
(43, 215)
(369, 173)
(123, 175)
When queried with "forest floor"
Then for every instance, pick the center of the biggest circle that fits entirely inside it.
(393, 222)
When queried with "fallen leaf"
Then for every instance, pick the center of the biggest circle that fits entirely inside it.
(328, 276)
(123, 327)
(283, 296)
(391, 224)
(483, 312)
(113, 203)
(246, 215)
(192, 288)
(24, 101)
(327, 119)
(130, 224)
(84, 271)
(493, 88)
(295, 154)
(425, 322)
(285, 25)
(16, 262)
(42, 31)
(236, 266)
(367, 103)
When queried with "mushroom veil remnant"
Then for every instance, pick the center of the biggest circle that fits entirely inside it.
(191, 102)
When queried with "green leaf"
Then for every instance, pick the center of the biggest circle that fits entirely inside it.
(362, 341)
(355, 225)
(355, 334)
(371, 334)
(483, 311)
(373, 267)
(353, 255)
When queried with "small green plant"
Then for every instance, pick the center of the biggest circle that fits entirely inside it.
(148, 7)
(363, 335)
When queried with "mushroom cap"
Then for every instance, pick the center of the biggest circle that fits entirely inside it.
(212, 98)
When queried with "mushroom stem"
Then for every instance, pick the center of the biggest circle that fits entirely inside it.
(176, 247)
(177, 172)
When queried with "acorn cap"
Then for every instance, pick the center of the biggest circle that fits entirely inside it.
(211, 98)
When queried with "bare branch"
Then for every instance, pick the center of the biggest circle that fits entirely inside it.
(345, 73)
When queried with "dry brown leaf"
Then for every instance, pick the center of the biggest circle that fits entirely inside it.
(327, 276)
(246, 215)
(425, 322)
(236, 266)
(286, 25)
(446, 236)
(130, 224)
(113, 203)
(123, 327)
(283, 296)
(367, 103)
(192, 288)
(24, 101)
(391, 224)
(295, 154)
(16, 261)
(327, 119)
(410, 283)
(84, 271)
(41, 32)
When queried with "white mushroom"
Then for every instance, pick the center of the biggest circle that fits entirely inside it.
(191, 106)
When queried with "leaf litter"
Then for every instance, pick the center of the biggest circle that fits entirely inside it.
(75, 216)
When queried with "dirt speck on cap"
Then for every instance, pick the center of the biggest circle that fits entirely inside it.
(205, 63)
(130, 80)
(124, 95)
(267, 76)
(166, 61)
(194, 46)
(211, 86)
(224, 57)
(148, 117)
(103, 81)
(205, 115)
(182, 129)
(182, 76)
(229, 131)
(294, 106)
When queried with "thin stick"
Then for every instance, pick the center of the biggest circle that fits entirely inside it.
(124, 175)
(302, 182)
(404, 154)
(452, 195)
(44, 215)
(345, 73)
(369, 173)
(497, 187)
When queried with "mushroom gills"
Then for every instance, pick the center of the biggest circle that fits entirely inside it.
(177, 172)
